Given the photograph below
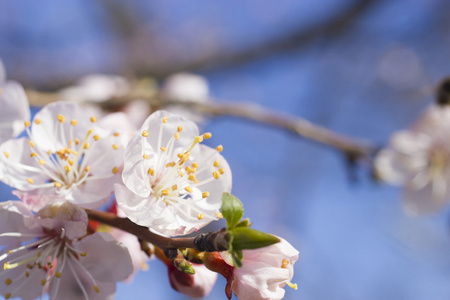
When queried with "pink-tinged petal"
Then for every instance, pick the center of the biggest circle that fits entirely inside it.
(196, 286)
(38, 198)
(14, 109)
(15, 217)
(264, 272)
(120, 123)
(65, 215)
(389, 167)
(410, 142)
(74, 284)
(106, 259)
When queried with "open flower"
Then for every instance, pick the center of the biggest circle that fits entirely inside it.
(14, 107)
(419, 159)
(66, 157)
(50, 252)
(173, 184)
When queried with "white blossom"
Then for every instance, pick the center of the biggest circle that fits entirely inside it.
(173, 184)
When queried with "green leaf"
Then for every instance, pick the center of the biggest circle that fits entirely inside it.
(232, 209)
(247, 238)
(244, 223)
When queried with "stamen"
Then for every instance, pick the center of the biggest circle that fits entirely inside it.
(37, 121)
(207, 135)
(219, 215)
(151, 171)
(174, 187)
(73, 122)
(43, 282)
(221, 171)
(163, 149)
(27, 123)
(58, 274)
(145, 156)
(86, 146)
(33, 154)
(165, 192)
(115, 147)
(31, 143)
(7, 296)
(41, 162)
(116, 134)
(96, 137)
(219, 148)
(205, 194)
(93, 119)
(180, 128)
(6, 154)
(292, 285)
(176, 135)
(8, 281)
(216, 175)
(200, 216)
(57, 184)
(30, 180)
(60, 118)
(115, 170)
(165, 119)
(145, 133)
(188, 189)
(216, 163)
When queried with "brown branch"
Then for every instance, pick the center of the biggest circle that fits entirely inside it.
(209, 242)
(353, 148)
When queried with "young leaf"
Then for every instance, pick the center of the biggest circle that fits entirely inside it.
(232, 209)
(247, 238)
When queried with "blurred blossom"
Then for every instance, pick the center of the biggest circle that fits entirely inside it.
(96, 88)
(137, 111)
(185, 87)
(50, 252)
(14, 107)
(419, 159)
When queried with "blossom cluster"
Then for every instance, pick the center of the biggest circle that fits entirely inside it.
(161, 176)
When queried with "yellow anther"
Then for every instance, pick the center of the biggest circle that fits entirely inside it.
(97, 290)
(57, 184)
(49, 152)
(205, 194)
(219, 148)
(89, 132)
(219, 215)
(58, 274)
(71, 143)
(83, 254)
(115, 170)
(41, 162)
(151, 171)
(180, 128)
(176, 135)
(86, 146)
(200, 216)
(37, 121)
(216, 163)
(284, 263)
(96, 137)
(67, 150)
(6, 154)
(73, 122)
(189, 170)
(165, 120)
(43, 282)
(221, 171)
(198, 139)
(145, 156)
(207, 135)
(292, 285)
(30, 180)
(191, 177)
(145, 133)
(27, 274)
(67, 168)
(87, 169)
(180, 173)
(60, 118)
(174, 187)
(77, 141)
(116, 134)
(31, 144)
(27, 123)
(216, 175)
(195, 165)
(7, 296)
(39, 254)
(171, 164)
(8, 281)
(165, 192)
(188, 189)
(93, 119)
(115, 147)
(70, 162)
(163, 149)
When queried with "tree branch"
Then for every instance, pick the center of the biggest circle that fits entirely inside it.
(353, 148)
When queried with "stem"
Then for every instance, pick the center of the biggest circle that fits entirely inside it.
(141, 232)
